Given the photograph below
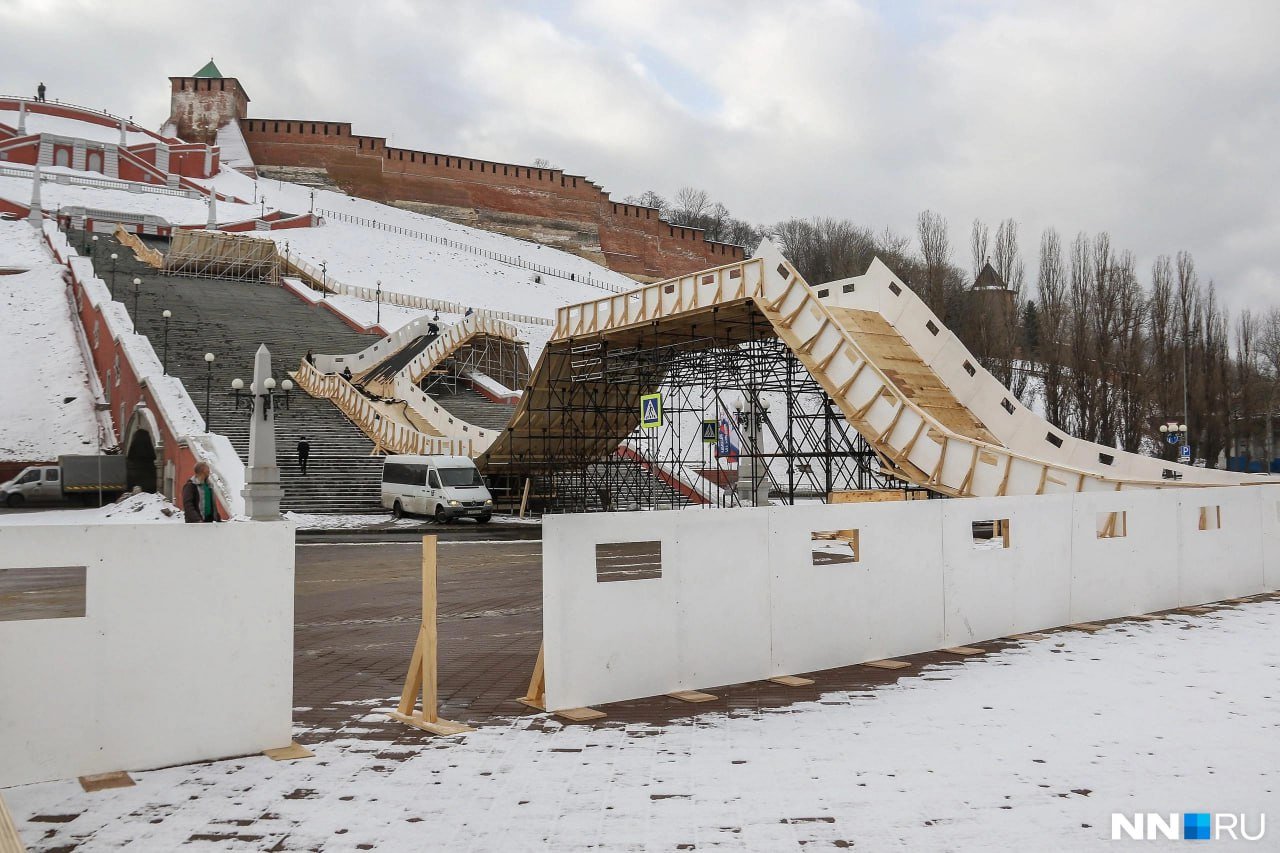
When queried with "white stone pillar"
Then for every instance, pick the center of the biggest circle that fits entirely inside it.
(262, 492)
(124, 141)
(212, 224)
(22, 118)
(208, 161)
(35, 217)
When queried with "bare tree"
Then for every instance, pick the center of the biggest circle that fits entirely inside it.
(1269, 352)
(935, 254)
(979, 236)
(543, 163)
(1052, 316)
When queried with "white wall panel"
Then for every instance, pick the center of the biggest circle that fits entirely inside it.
(740, 598)
(185, 651)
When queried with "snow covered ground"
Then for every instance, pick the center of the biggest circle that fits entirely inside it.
(1031, 748)
(46, 401)
(62, 126)
(130, 509)
(176, 210)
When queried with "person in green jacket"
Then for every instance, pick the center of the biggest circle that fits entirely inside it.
(198, 504)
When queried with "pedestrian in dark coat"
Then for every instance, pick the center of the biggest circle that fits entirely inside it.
(198, 504)
(304, 452)
(346, 373)
(40, 92)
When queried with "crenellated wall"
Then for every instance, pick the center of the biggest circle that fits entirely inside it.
(634, 240)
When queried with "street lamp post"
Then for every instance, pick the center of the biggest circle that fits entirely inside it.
(264, 208)
(137, 288)
(167, 315)
(324, 278)
(114, 256)
(378, 321)
(313, 202)
(93, 249)
(208, 388)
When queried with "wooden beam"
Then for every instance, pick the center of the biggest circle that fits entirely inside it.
(10, 841)
(422, 666)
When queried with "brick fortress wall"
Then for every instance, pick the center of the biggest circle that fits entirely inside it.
(634, 240)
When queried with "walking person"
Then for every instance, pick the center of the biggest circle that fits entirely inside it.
(198, 505)
(304, 453)
(346, 373)
(311, 359)
(40, 92)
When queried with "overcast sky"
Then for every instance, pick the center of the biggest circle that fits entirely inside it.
(1157, 122)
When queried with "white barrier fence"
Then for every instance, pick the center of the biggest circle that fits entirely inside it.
(184, 651)
(747, 594)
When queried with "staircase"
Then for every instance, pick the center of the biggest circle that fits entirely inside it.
(469, 405)
(231, 319)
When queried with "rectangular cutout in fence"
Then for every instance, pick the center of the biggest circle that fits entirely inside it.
(1113, 525)
(834, 546)
(1211, 517)
(628, 561)
(54, 592)
(992, 533)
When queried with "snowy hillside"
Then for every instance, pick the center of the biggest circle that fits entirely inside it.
(173, 209)
(361, 256)
(46, 405)
(62, 126)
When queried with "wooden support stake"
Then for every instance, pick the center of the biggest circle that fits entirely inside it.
(422, 666)
(888, 663)
(694, 696)
(10, 841)
(536, 696)
(292, 752)
(791, 680)
(524, 505)
(103, 781)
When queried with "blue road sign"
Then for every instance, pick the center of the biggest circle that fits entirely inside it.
(651, 411)
(1184, 453)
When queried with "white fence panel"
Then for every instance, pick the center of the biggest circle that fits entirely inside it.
(185, 651)
(747, 594)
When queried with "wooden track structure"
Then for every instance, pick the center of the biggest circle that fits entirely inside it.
(911, 415)
(468, 438)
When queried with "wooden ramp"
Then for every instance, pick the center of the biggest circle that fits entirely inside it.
(908, 373)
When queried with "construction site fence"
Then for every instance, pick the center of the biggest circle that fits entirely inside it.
(321, 280)
(501, 257)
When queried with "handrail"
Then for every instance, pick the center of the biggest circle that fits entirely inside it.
(137, 128)
(324, 282)
(512, 260)
(141, 250)
(387, 436)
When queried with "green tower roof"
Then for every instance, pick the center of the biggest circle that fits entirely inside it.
(209, 70)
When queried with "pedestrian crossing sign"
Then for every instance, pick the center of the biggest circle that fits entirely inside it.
(650, 411)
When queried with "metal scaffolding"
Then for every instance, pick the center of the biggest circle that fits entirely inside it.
(807, 451)
(504, 361)
(210, 254)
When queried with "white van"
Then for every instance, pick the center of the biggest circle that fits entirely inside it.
(445, 487)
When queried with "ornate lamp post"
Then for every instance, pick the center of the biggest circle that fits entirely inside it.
(379, 293)
(137, 288)
(112, 289)
(167, 315)
(208, 388)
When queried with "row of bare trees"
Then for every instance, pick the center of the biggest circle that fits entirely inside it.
(1108, 352)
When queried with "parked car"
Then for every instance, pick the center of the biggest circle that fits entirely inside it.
(444, 487)
(81, 478)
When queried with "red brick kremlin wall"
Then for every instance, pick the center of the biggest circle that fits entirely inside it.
(635, 240)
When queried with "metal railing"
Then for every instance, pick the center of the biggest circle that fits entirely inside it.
(387, 436)
(22, 171)
(132, 125)
(321, 280)
(512, 260)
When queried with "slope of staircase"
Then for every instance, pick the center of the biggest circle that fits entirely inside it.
(231, 319)
(469, 405)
